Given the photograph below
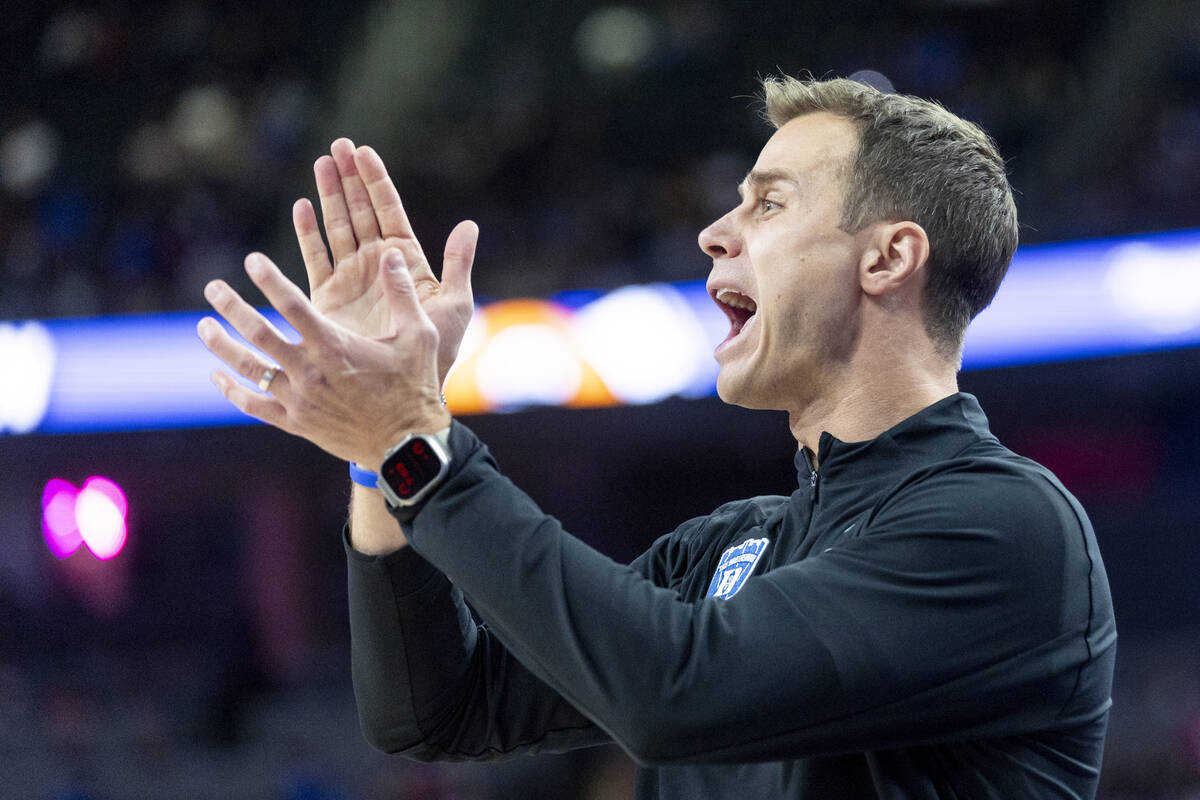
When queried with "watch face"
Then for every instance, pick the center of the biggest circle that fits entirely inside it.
(411, 468)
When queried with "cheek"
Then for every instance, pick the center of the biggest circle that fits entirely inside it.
(805, 277)
(816, 310)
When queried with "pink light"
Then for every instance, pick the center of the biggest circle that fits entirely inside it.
(100, 514)
(94, 515)
(58, 518)
(110, 490)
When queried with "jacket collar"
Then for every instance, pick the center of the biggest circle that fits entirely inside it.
(935, 433)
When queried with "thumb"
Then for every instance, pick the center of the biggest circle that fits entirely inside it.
(398, 287)
(458, 257)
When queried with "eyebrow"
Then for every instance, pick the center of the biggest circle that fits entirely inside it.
(761, 177)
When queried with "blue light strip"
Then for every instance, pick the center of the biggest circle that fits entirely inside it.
(1059, 302)
(135, 372)
(1092, 298)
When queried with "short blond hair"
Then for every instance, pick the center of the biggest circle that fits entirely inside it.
(917, 161)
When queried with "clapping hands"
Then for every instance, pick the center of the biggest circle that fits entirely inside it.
(363, 217)
(379, 333)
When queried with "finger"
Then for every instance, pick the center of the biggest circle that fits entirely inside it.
(285, 297)
(334, 212)
(259, 406)
(458, 258)
(358, 201)
(399, 287)
(242, 359)
(389, 211)
(253, 326)
(312, 246)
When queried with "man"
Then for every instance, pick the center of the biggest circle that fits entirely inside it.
(926, 616)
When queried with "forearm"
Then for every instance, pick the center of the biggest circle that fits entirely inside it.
(428, 682)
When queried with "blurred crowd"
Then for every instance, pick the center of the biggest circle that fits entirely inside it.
(146, 147)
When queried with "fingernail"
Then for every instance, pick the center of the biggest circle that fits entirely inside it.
(212, 290)
(395, 260)
(254, 265)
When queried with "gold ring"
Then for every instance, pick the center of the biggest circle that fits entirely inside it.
(265, 381)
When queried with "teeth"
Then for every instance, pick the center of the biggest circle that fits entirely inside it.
(731, 298)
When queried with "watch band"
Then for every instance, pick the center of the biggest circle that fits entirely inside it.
(364, 477)
(443, 436)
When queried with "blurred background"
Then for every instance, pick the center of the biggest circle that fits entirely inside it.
(146, 147)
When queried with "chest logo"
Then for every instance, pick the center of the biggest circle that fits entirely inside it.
(735, 566)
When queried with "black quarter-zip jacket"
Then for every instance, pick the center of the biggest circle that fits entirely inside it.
(926, 616)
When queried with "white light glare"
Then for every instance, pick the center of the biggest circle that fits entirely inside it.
(100, 516)
(1155, 286)
(644, 341)
(27, 360)
(528, 364)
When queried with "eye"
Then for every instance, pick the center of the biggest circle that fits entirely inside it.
(765, 205)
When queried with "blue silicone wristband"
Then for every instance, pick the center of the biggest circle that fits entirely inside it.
(364, 477)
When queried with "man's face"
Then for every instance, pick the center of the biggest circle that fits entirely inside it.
(783, 272)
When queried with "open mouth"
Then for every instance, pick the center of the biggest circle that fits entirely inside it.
(738, 308)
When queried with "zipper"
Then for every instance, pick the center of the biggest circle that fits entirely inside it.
(812, 471)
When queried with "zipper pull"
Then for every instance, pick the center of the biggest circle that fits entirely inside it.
(812, 470)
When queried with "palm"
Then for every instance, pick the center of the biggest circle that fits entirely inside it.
(353, 297)
(363, 219)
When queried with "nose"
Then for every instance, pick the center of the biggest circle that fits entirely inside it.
(719, 240)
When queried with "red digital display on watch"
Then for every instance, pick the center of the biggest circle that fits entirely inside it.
(411, 468)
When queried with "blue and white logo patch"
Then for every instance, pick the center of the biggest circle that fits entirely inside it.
(735, 567)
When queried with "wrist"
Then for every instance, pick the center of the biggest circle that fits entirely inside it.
(432, 417)
(428, 425)
(368, 478)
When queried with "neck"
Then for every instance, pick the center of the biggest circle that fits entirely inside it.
(861, 406)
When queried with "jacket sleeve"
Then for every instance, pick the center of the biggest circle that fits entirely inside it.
(431, 684)
(925, 627)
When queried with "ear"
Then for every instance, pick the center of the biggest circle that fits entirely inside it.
(895, 254)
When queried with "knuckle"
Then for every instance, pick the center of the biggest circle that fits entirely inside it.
(291, 306)
(311, 375)
(248, 365)
(261, 336)
(426, 333)
(223, 302)
(252, 407)
(239, 397)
